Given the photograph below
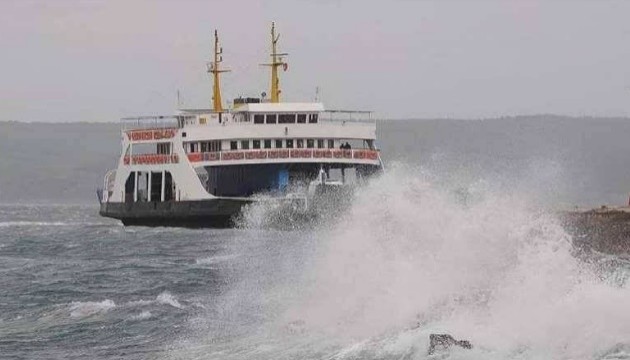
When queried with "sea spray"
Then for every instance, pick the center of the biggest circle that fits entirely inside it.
(410, 257)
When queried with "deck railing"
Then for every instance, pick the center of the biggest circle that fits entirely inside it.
(359, 154)
(153, 122)
(342, 154)
(150, 159)
(151, 134)
(346, 116)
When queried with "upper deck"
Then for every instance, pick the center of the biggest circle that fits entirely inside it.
(257, 121)
(252, 130)
(256, 133)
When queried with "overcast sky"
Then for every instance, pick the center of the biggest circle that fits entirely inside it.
(101, 60)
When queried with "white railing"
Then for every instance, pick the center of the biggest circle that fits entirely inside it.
(150, 159)
(153, 122)
(341, 154)
(346, 116)
(108, 185)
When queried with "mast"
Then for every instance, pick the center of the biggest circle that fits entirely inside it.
(214, 69)
(276, 61)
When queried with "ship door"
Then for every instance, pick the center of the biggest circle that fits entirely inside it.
(130, 187)
(156, 186)
(149, 186)
(169, 187)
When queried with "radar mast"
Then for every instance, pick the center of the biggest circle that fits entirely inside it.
(276, 61)
(215, 70)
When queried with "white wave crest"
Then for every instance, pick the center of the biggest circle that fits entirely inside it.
(33, 223)
(212, 260)
(168, 299)
(140, 303)
(142, 315)
(82, 309)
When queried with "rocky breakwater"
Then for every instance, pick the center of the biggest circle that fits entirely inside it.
(604, 229)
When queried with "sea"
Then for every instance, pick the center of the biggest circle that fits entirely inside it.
(459, 236)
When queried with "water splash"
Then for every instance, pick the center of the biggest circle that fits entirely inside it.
(411, 257)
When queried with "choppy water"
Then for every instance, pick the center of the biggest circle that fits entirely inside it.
(410, 257)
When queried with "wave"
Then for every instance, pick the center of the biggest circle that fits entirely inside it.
(83, 309)
(142, 316)
(47, 223)
(168, 299)
(411, 257)
(213, 260)
(33, 223)
(79, 309)
(164, 298)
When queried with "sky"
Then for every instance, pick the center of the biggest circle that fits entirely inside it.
(101, 60)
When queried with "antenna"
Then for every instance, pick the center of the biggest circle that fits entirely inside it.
(276, 61)
(215, 70)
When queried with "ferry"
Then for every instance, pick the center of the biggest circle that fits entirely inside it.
(200, 167)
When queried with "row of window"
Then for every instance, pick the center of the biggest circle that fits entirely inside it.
(285, 118)
(210, 146)
(280, 143)
(164, 148)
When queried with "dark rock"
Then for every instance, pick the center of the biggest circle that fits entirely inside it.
(605, 230)
(445, 341)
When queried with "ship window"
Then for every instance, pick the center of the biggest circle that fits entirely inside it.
(256, 144)
(312, 118)
(320, 143)
(233, 145)
(278, 144)
(331, 144)
(300, 143)
(214, 146)
(163, 148)
(268, 144)
(259, 119)
(245, 144)
(310, 143)
(289, 144)
(286, 119)
(140, 149)
(204, 147)
(193, 147)
(271, 118)
(301, 118)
